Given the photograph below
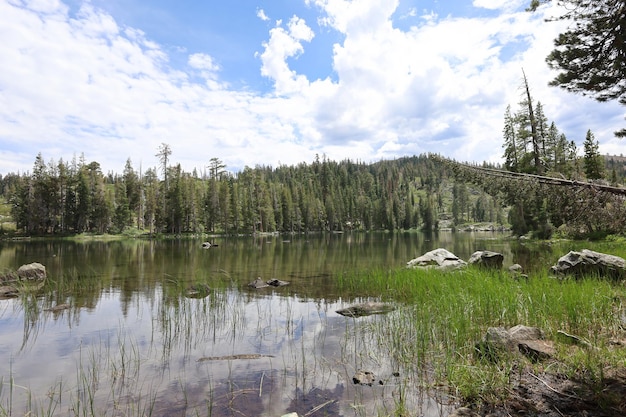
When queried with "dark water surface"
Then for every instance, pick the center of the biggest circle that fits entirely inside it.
(132, 342)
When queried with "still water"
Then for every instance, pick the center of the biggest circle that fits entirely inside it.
(133, 342)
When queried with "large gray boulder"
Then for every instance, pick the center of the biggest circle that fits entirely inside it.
(487, 259)
(438, 259)
(588, 262)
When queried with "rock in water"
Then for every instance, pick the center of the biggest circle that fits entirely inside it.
(277, 283)
(439, 259)
(31, 271)
(588, 262)
(363, 378)
(366, 309)
(487, 259)
(258, 283)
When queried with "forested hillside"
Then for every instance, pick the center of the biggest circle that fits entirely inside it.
(77, 197)
(419, 192)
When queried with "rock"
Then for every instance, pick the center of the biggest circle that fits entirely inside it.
(364, 378)
(521, 332)
(258, 283)
(294, 414)
(277, 283)
(516, 271)
(526, 340)
(366, 309)
(239, 356)
(463, 412)
(7, 291)
(536, 350)
(32, 271)
(208, 245)
(487, 259)
(197, 291)
(588, 262)
(439, 259)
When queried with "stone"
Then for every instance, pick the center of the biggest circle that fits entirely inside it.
(519, 339)
(7, 291)
(366, 309)
(588, 262)
(463, 412)
(363, 378)
(258, 283)
(276, 283)
(32, 271)
(521, 332)
(439, 259)
(536, 350)
(516, 271)
(197, 291)
(487, 259)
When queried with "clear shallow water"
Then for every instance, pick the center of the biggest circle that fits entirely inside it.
(132, 343)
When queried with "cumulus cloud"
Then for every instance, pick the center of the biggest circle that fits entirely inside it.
(500, 4)
(285, 43)
(260, 13)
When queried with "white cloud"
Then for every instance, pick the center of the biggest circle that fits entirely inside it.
(500, 4)
(260, 13)
(72, 84)
(284, 44)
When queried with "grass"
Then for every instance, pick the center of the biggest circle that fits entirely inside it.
(443, 315)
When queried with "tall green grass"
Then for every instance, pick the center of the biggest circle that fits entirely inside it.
(443, 315)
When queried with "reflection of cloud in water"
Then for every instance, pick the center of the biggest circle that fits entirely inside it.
(158, 342)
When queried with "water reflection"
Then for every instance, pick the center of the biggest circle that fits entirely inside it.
(131, 342)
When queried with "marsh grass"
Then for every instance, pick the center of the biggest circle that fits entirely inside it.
(442, 316)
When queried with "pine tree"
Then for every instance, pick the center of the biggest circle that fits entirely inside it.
(593, 161)
(591, 54)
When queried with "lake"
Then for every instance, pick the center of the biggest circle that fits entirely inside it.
(133, 340)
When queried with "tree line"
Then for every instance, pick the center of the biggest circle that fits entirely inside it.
(77, 197)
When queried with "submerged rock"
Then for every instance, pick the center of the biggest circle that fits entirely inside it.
(366, 309)
(239, 356)
(439, 259)
(588, 262)
(363, 378)
(197, 291)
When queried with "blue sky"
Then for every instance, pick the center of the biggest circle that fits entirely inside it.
(269, 82)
